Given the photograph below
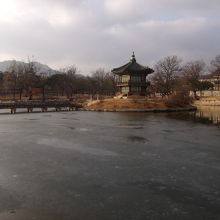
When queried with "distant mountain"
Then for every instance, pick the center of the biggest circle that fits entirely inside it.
(4, 65)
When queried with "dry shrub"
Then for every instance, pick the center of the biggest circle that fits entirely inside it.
(180, 99)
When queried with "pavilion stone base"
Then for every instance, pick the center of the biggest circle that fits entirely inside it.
(130, 94)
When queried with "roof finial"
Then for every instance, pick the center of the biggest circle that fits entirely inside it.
(133, 59)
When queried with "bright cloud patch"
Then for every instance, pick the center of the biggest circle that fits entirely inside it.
(60, 17)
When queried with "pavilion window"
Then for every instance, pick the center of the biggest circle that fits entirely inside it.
(136, 78)
(136, 89)
(125, 78)
(125, 89)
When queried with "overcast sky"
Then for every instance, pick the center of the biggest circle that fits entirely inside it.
(103, 33)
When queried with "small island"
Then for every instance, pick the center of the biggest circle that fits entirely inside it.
(136, 104)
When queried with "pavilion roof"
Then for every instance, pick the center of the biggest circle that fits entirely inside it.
(132, 67)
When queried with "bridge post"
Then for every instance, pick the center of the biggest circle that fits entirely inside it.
(12, 110)
(29, 110)
(44, 109)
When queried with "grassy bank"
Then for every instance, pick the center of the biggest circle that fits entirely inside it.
(140, 104)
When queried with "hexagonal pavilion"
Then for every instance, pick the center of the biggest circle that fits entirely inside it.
(132, 77)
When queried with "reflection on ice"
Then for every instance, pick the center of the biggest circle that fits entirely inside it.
(204, 114)
(210, 112)
(83, 129)
(137, 139)
(58, 143)
(132, 126)
(101, 166)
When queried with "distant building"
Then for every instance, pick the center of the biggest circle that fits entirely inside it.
(212, 78)
(132, 78)
(33, 91)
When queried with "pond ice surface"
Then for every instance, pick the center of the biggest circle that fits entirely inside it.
(91, 165)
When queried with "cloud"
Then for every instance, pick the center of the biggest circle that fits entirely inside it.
(103, 33)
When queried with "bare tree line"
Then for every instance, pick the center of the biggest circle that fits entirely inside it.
(170, 77)
(21, 78)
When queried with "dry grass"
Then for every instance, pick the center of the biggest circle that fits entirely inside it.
(128, 104)
(178, 100)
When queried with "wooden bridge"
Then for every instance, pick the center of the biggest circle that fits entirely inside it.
(30, 105)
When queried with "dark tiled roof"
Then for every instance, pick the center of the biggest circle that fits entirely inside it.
(132, 67)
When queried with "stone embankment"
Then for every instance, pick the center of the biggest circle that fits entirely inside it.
(208, 101)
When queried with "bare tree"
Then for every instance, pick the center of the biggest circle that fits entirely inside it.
(71, 82)
(10, 82)
(216, 62)
(57, 83)
(192, 72)
(13, 78)
(215, 69)
(43, 82)
(166, 73)
(99, 78)
(103, 81)
(30, 78)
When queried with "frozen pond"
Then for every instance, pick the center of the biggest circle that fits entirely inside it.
(109, 166)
